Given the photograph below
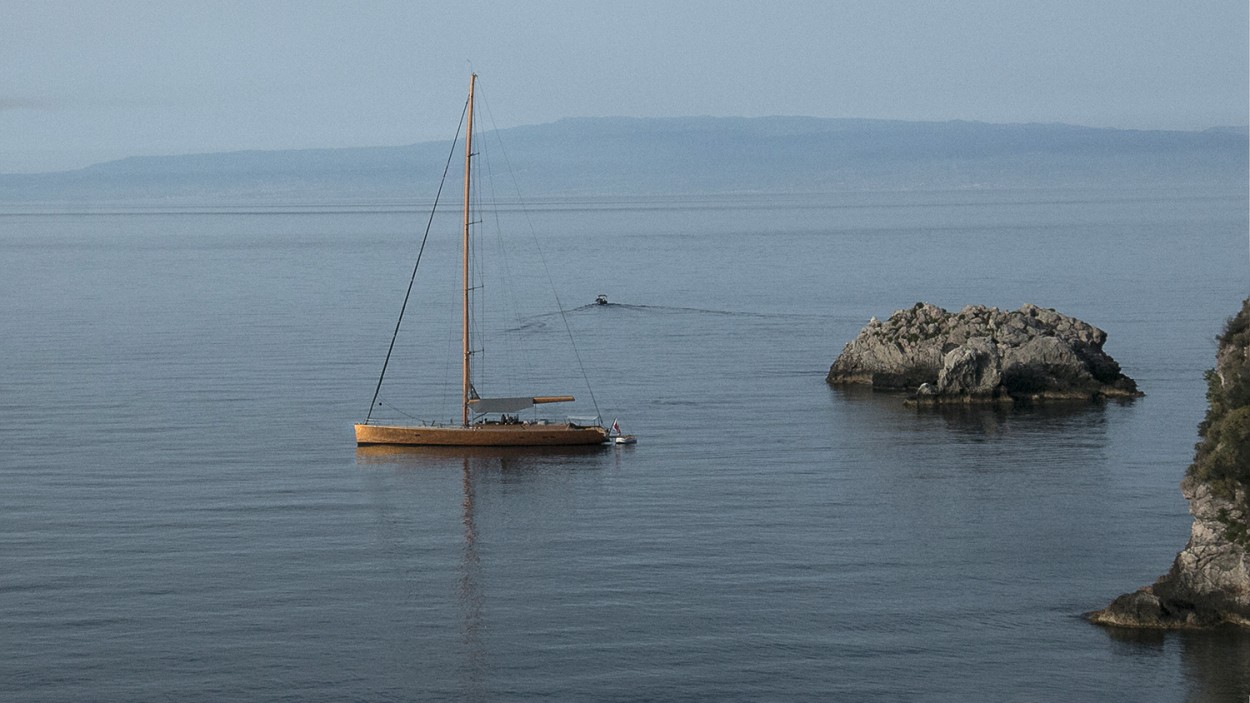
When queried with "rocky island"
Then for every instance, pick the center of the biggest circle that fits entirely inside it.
(982, 355)
(1209, 582)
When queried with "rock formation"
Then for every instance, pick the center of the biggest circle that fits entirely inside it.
(982, 354)
(1209, 582)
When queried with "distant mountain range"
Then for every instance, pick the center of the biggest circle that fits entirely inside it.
(674, 156)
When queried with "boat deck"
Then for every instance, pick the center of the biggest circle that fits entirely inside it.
(486, 435)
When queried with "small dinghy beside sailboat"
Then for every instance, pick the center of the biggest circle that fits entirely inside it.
(617, 437)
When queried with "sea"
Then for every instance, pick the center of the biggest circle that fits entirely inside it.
(184, 515)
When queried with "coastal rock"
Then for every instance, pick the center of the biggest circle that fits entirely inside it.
(974, 369)
(982, 354)
(1209, 582)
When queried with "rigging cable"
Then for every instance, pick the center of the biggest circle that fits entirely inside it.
(516, 356)
(543, 259)
(429, 223)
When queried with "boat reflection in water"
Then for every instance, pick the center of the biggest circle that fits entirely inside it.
(475, 466)
(412, 456)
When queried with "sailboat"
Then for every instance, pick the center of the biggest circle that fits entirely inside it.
(485, 422)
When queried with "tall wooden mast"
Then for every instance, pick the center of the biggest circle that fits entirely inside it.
(468, 156)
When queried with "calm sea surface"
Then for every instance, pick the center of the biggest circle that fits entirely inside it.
(184, 515)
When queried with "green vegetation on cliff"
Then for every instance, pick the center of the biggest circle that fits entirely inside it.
(1222, 458)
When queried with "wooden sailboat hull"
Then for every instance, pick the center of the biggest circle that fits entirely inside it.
(523, 435)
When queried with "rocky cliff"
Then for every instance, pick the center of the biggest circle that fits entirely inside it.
(982, 354)
(1209, 582)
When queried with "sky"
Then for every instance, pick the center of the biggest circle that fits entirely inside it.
(85, 82)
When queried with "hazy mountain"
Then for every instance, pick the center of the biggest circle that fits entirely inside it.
(695, 155)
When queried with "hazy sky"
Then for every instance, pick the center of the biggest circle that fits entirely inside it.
(82, 82)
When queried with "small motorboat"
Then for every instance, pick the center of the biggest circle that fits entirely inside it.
(615, 436)
(601, 299)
